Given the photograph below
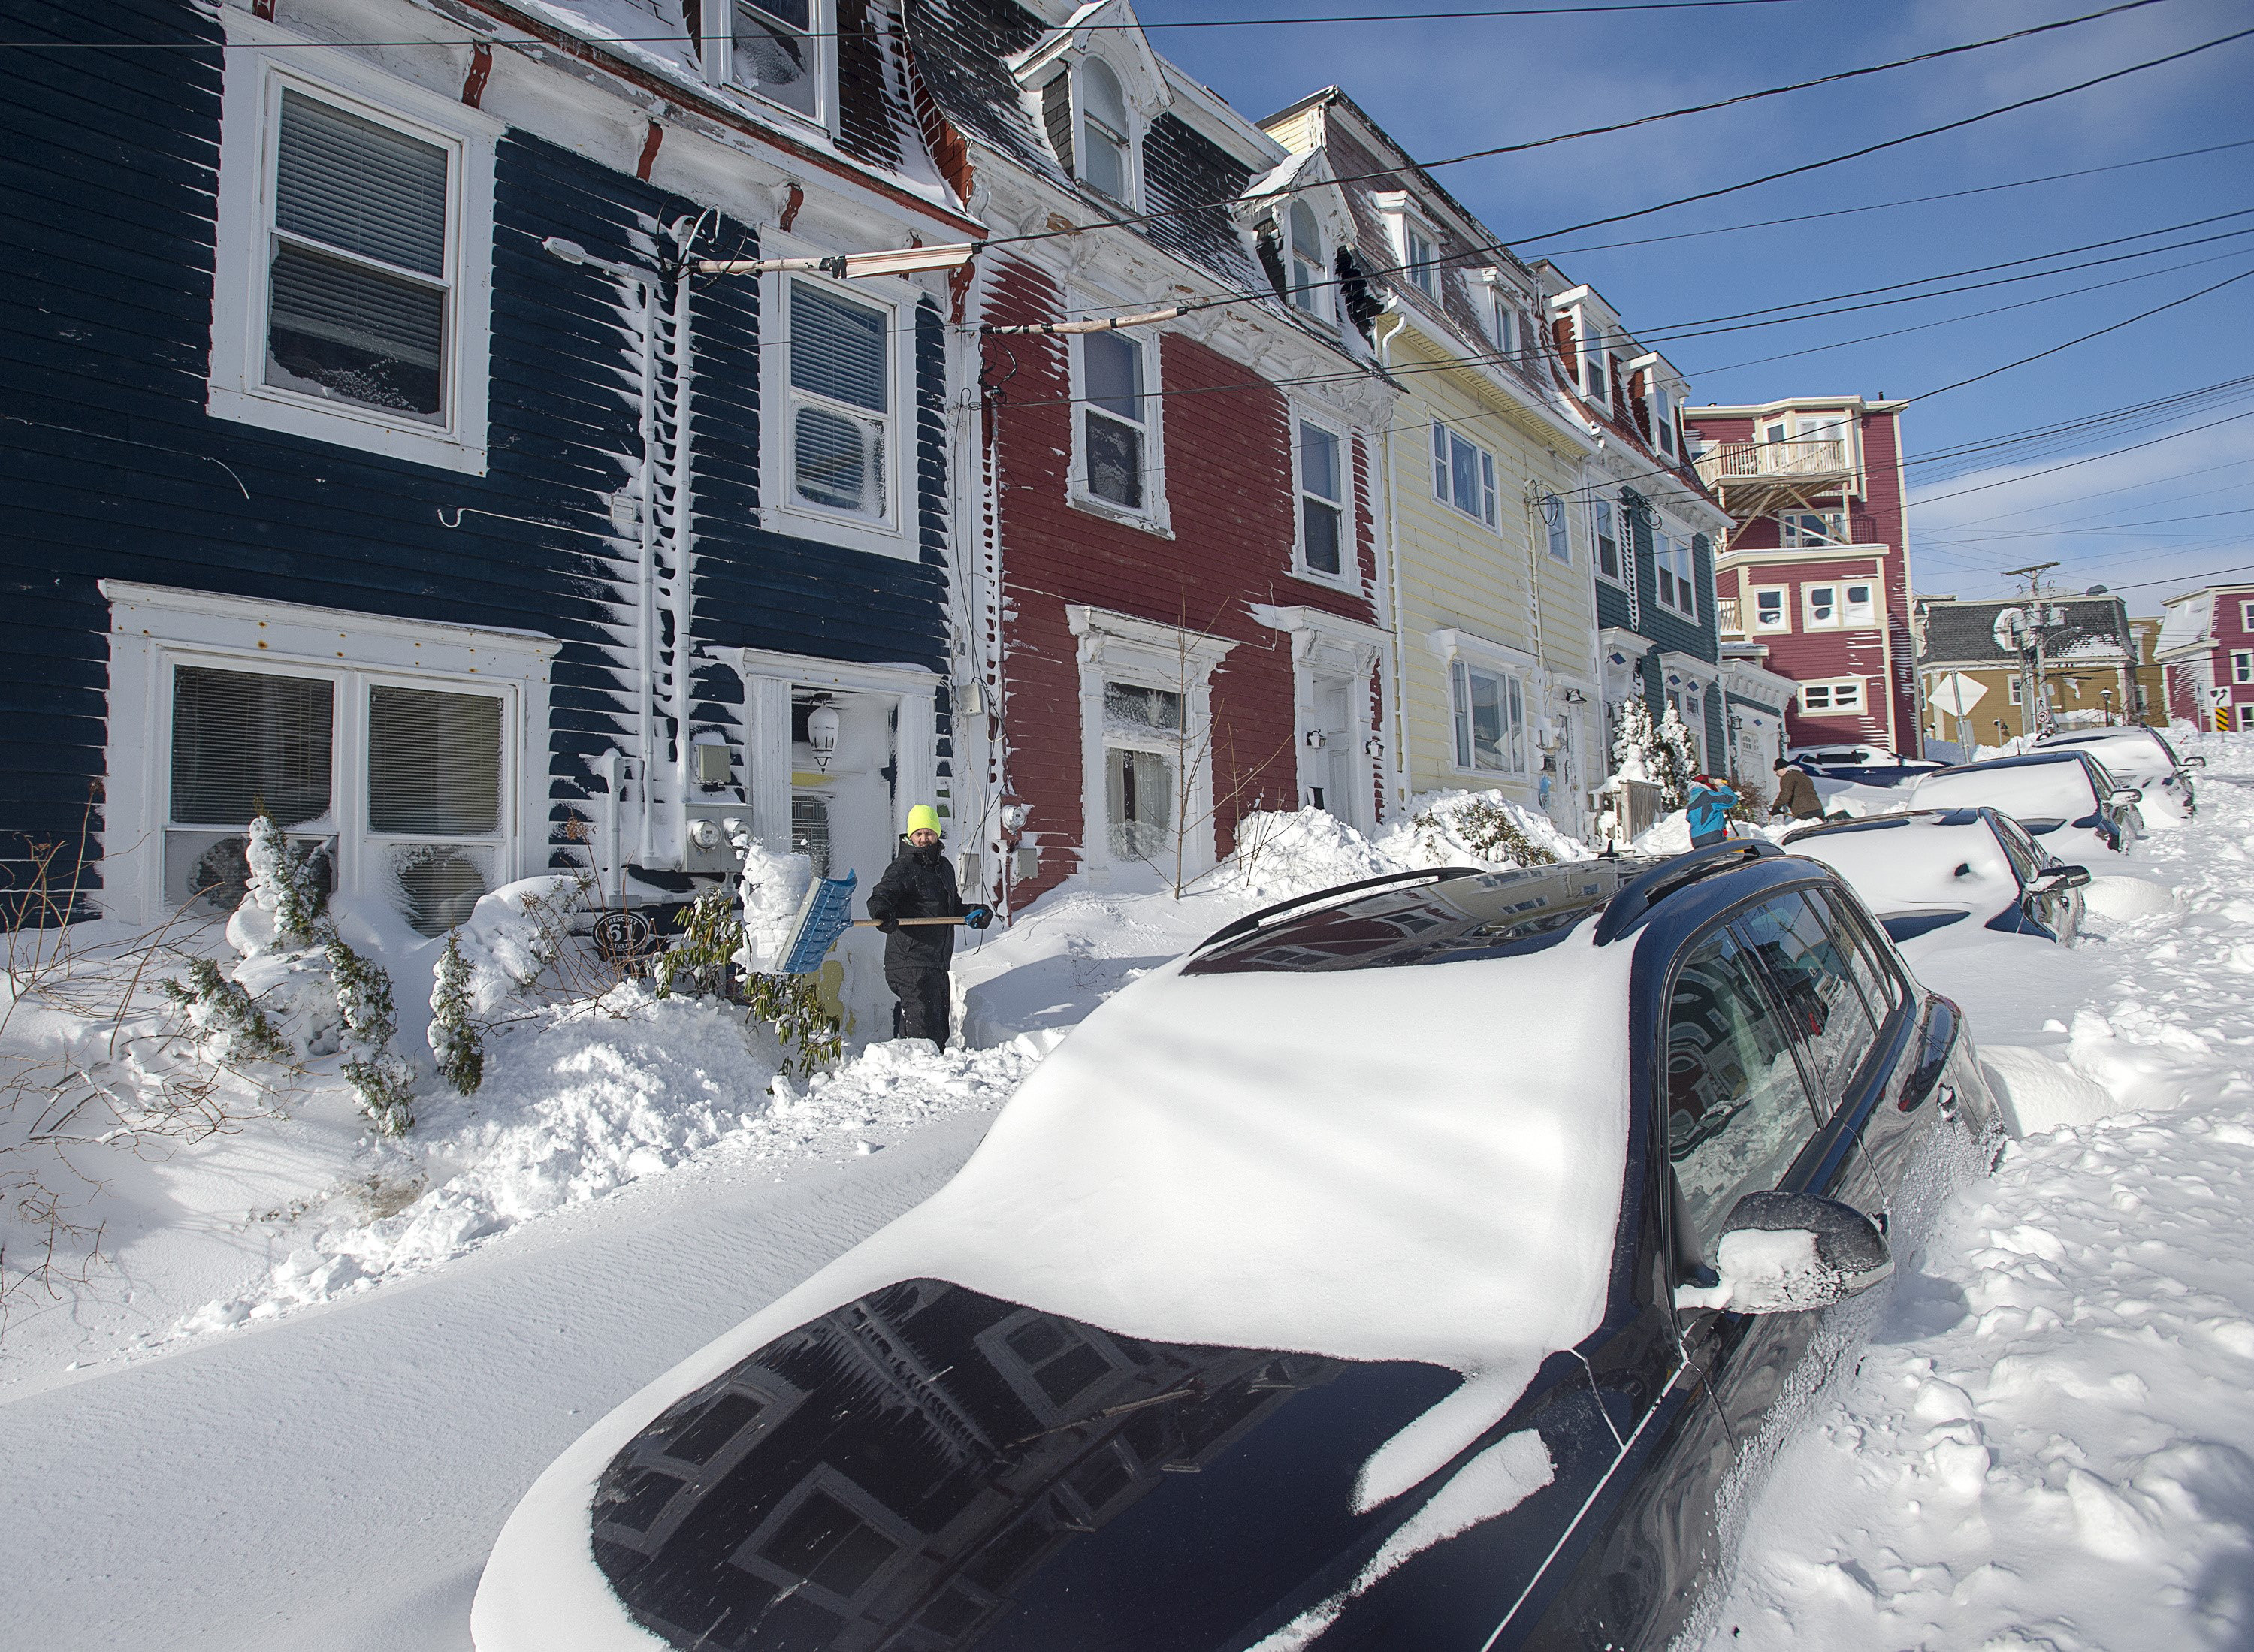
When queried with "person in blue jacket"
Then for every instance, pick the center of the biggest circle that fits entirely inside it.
(1709, 803)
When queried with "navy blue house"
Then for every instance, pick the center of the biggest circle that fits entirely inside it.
(374, 461)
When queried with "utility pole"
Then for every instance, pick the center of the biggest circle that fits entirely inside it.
(2036, 620)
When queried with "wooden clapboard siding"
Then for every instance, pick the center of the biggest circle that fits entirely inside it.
(1457, 573)
(107, 193)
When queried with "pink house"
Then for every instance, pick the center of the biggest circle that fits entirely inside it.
(2207, 653)
(1817, 570)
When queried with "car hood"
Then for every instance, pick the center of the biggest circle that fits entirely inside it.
(1415, 1165)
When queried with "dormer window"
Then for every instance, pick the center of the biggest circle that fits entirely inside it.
(1085, 113)
(1421, 259)
(1106, 151)
(1308, 286)
(775, 53)
(1663, 418)
(1595, 377)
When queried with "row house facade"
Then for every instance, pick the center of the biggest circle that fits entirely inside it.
(1654, 532)
(1815, 572)
(1493, 601)
(1177, 609)
(2089, 669)
(2206, 654)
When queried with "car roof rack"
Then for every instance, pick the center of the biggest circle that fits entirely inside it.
(1266, 914)
(1630, 907)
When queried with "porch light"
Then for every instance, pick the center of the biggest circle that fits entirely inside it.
(821, 732)
(1314, 738)
(1374, 747)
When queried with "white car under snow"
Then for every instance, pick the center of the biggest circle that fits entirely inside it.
(2067, 798)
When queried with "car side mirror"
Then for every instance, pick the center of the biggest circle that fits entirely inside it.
(2054, 878)
(2195, 761)
(1782, 1253)
(2125, 794)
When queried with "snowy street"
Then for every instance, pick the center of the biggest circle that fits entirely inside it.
(2049, 1441)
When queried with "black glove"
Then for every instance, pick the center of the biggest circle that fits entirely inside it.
(886, 926)
(978, 917)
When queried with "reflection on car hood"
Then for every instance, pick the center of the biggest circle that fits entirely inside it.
(931, 1467)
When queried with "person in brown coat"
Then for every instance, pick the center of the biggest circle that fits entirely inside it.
(1796, 794)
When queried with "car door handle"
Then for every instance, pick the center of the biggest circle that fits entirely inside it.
(1947, 1101)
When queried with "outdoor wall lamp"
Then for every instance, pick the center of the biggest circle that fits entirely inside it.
(1374, 747)
(821, 724)
(1314, 738)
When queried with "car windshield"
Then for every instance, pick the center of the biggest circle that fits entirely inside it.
(1499, 914)
(940, 1466)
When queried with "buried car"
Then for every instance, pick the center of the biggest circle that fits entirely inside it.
(2140, 757)
(2047, 792)
(1414, 1265)
(1927, 869)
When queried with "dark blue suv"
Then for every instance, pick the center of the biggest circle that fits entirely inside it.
(1416, 1265)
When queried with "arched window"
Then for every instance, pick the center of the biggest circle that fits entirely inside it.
(1307, 287)
(1105, 160)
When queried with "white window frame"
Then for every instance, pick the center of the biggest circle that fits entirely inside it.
(1858, 616)
(1137, 127)
(1319, 290)
(1117, 648)
(1445, 441)
(156, 628)
(1830, 688)
(2242, 665)
(2014, 690)
(719, 53)
(1423, 274)
(1153, 513)
(1810, 620)
(1784, 595)
(1664, 408)
(1461, 654)
(2246, 613)
(1623, 547)
(1348, 576)
(1594, 372)
(1664, 540)
(1557, 528)
(262, 60)
(893, 535)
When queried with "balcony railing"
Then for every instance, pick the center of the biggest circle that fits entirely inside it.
(1773, 461)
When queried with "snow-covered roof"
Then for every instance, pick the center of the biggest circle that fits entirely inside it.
(2096, 628)
(2186, 622)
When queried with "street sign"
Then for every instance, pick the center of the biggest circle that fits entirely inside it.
(1957, 694)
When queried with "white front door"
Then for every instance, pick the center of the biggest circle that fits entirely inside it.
(1338, 778)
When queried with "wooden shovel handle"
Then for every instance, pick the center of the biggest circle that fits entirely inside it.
(870, 923)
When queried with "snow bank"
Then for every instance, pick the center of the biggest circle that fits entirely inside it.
(594, 1097)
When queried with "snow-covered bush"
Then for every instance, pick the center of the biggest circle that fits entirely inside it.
(380, 1076)
(220, 1011)
(1633, 740)
(284, 886)
(1488, 828)
(455, 1042)
(716, 936)
(1673, 761)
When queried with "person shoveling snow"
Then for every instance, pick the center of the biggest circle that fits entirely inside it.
(1709, 806)
(921, 884)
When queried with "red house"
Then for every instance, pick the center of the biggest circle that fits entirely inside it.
(1817, 570)
(1177, 614)
(2206, 652)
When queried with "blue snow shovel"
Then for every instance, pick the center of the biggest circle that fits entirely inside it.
(826, 914)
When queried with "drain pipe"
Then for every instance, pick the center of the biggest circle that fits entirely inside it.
(1384, 341)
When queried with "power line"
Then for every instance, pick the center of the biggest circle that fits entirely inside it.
(1927, 395)
(1907, 200)
(2173, 403)
(2087, 458)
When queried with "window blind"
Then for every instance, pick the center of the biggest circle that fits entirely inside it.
(837, 347)
(1318, 511)
(433, 762)
(360, 187)
(242, 740)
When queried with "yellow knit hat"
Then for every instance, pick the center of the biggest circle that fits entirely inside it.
(922, 817)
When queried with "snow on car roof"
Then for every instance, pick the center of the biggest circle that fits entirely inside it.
(1944, 858)
(2040, 785)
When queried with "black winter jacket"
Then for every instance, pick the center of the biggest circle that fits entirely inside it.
(921, 883)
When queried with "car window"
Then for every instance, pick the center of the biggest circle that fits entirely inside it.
(1738, 1113)
(2018, 847)
(1881, 988)
(1812, 976)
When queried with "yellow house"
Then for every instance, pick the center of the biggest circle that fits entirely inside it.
(1494, 600)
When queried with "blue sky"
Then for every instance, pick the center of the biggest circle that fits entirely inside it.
(2149, 522)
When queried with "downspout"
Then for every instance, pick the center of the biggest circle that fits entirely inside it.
(645, 583)
(683, 606)
(1384, 343)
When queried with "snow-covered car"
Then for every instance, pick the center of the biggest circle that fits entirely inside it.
(1864, 765)
(2067, 791)
(1412, 1265)
(2140, 757)
(1927, 869)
